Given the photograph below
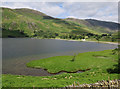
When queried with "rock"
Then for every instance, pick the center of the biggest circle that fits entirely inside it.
(104, 83)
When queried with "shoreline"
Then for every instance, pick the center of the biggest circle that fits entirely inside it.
(90, 41)
(114, 43)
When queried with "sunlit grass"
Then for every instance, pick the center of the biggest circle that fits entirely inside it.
(101, 64)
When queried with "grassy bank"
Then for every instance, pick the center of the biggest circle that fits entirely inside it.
(82, 61)
(102, 65)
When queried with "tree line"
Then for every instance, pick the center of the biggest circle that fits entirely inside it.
(49, 34)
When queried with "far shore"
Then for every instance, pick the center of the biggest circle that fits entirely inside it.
(115, 43)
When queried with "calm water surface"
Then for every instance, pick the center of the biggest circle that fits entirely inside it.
(16, 52)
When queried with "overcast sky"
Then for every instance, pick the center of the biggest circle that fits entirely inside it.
(107, 11)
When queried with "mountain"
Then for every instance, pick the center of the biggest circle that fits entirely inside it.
(97, 25)
(29, 23)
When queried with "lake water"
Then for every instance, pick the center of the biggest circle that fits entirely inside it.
(16, 52)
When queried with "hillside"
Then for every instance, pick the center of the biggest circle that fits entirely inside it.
(97, 25)
(30, 23)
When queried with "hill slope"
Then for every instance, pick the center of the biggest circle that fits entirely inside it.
(97, 25)
(30, 23)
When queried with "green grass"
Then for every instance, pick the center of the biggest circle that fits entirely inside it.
(98, 62)
(82, 61)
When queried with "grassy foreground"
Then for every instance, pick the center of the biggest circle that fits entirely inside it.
(102, 65)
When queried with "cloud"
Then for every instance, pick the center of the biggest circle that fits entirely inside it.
(103, 10)
(82, 10)
(51, 9)
(15, 5)
(71, 17)
(60, 1)
(48, 8)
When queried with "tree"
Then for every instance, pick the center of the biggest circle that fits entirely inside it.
(104, 35)
(80, 37)
(98, 37)
(56, 34)
(113, 39)
(73, 59)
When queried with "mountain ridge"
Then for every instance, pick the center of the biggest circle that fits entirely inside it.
(30, 21)
(94, 22)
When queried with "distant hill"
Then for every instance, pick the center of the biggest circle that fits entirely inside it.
(110, 25)
(28, 23)
(97, 25)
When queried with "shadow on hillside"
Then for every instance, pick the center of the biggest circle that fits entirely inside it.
(56, 20)
(13, 34)
(48, 17)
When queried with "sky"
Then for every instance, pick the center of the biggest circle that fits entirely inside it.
(106, 11)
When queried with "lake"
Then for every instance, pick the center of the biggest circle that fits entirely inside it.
(16, 52)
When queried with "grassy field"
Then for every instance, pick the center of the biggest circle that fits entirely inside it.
(102, 65)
